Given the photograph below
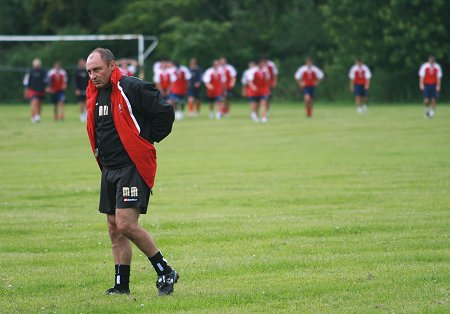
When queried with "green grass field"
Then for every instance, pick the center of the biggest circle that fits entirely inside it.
(338, 214)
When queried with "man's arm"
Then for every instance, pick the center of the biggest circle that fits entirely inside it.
(438, 85)
(158, 112)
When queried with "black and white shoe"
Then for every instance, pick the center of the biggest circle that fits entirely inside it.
(114, 291)
(165, 283)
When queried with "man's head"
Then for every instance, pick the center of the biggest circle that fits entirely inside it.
(99, 65)
(359, 61)
(37, 63)
(431, 59)
(57, 65)
(262, 62)
(216, 64)
(193, 63)
(309, 61)
(223, 61)
(82, 64)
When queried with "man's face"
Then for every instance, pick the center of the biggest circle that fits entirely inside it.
(99, 72)
(81, 64)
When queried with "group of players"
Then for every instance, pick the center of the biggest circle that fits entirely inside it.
(38, 82)
(179, 84)
(176, 82)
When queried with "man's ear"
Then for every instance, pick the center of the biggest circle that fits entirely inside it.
(112, 65)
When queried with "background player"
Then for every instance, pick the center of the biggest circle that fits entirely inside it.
(272, 69)
(57, 78)
(35, 83)
(248, 92)
(430, 75)
(163, 78)
(360, 76)
(177, 98)
(258, 80)
(81, 80)
(308, 77)
(229, 73)
(128, 66)
(194, 88)
(214, 82)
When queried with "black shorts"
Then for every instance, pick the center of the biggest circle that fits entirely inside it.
(123, 188)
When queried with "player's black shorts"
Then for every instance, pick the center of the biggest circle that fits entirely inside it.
(123, 188)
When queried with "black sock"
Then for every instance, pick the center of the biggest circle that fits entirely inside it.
(159, 263)
(122, 277)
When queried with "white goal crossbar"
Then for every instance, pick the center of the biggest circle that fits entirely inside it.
(142, 52)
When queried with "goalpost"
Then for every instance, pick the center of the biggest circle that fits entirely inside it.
(141, 39)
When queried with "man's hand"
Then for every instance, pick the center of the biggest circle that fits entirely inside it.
(421, 87)
(438, 88)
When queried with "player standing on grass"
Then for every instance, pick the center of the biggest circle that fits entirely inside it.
(214, 82)
(178, 91)
(360, 76)
(81, 80)
(248, 92)
(163, 78)
(57, 78)
(430, 75)
(229, 73)
(125, 117)
(272, 69)
(308, 77)
(195, 84)
(258, 80)
(35, 83)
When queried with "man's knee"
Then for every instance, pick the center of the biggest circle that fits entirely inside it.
(112, 226)
(126, 225)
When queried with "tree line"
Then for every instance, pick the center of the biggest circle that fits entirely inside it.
(393, 37)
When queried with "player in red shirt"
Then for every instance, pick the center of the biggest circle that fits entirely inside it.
(180, 77)
(57, 78)
(248, 92)
(308, 77)
(360, 76)
(229, 72)
(163, 78)
(214, 82)
(128, 67)
(272, 69)
(430, 75)
(258, 79)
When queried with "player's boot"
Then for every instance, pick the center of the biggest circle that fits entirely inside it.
(115, 290)
(165, 283)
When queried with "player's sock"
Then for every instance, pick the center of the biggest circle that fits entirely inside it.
(308, 110)
(160, 265)
(122, 277)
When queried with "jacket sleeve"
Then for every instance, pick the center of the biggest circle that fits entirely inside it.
(159, 114)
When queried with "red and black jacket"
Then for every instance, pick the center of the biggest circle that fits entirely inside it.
(140, 116)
